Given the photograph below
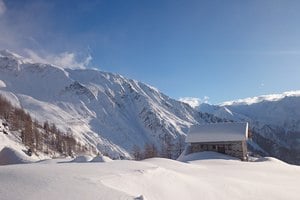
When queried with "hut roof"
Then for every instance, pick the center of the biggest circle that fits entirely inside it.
(218, 132)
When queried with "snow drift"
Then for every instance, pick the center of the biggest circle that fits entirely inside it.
(11, 156)
(101, 158)
(205, 155)
(82, 159)
(213, 177)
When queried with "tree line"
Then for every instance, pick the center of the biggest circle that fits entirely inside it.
(46, 137)
(170, 148)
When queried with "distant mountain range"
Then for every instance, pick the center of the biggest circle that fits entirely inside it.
(274, 121)
(115, 114)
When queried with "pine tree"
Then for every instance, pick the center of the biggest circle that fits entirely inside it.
(46, 126)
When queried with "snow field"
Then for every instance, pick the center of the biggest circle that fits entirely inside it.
(201, 176)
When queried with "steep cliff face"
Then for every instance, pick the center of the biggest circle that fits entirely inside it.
(102, 109)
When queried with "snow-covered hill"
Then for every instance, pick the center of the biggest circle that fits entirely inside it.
(101, 109)
(205, 175)
(274, 120)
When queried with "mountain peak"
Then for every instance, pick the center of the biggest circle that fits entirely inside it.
(103, 110)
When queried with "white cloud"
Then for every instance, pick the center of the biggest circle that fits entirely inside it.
(193, 101)
(205, 99)
(19, 33)
(65, 59)
(2, 7)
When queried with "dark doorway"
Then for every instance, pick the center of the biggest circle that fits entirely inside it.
(221, 149)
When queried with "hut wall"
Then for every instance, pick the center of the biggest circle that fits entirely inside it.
(236, 149)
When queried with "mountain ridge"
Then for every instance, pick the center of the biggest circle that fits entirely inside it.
(102, 109)
(114, 114)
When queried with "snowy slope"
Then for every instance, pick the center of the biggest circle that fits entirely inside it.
(101, 109)
(12, 151)
(277, 109)
(207, 175)
(274, 120)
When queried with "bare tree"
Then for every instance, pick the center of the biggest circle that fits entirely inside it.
(150, 151)
(180, 145)
(38, 137)
(167, 147)
(137, 152)
(28, 132)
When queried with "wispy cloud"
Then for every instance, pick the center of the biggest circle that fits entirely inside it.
(2, 7)
(65, 59)
(19, 35)
(12, 33)
(194, 101)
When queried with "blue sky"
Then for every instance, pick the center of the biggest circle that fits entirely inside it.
(224, 50)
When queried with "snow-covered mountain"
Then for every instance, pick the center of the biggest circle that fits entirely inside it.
(101, 109)
(274, 120)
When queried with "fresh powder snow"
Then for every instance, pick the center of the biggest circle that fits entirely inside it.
(205, 175)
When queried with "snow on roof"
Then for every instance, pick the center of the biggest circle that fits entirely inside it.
(217, 132)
